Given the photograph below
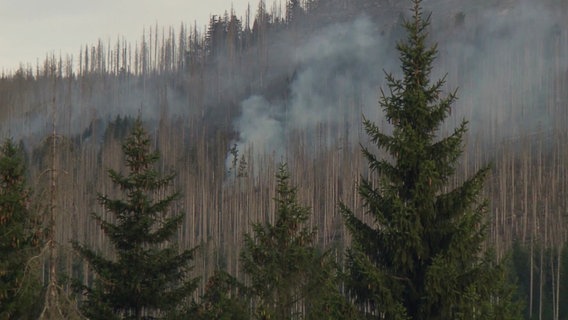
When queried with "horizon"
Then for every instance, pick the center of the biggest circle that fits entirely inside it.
(32, 30)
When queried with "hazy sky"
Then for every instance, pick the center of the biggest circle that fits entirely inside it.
(30, 29)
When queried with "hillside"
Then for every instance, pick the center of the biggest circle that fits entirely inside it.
(227, 104)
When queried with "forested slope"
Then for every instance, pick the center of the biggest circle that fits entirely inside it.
(226, 104)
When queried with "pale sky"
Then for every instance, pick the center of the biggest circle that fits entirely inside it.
(30, 29)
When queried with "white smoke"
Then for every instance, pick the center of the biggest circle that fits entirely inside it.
(333, 86)
(504, 58)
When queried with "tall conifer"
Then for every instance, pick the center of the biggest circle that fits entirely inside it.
(146, 277)
(20, 236)
(289, 277)
(422, 255)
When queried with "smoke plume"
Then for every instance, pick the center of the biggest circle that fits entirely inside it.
(504, 58)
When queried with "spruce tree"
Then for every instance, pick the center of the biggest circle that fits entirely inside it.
(20, 236)
(224, 298)
(422, 254)
(289, 277)
(146, 277)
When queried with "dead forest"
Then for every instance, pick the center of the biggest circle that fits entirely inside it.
(193, 88)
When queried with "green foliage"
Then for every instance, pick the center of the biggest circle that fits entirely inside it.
(20, 239)
(544, 270)
(289, 277)
(149, 277)
(422, 256)
(520, 265)
(224, 299)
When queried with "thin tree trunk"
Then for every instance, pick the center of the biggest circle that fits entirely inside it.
(531, 286)
(558, 266)
(541, 282)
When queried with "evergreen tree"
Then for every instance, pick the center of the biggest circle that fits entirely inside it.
(421, 256)
(149, 277)
(20, 236)
(289, 277)
(224, 299)
(520, 261)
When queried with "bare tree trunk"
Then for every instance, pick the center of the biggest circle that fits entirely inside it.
(531, 282)
(541, 283)
(51, 305)
(558, 266)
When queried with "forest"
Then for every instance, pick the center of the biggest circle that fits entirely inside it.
(266, 114)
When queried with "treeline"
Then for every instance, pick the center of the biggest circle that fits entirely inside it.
(420, 256)
(187, 71)
(189, 99)
(228, 37)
